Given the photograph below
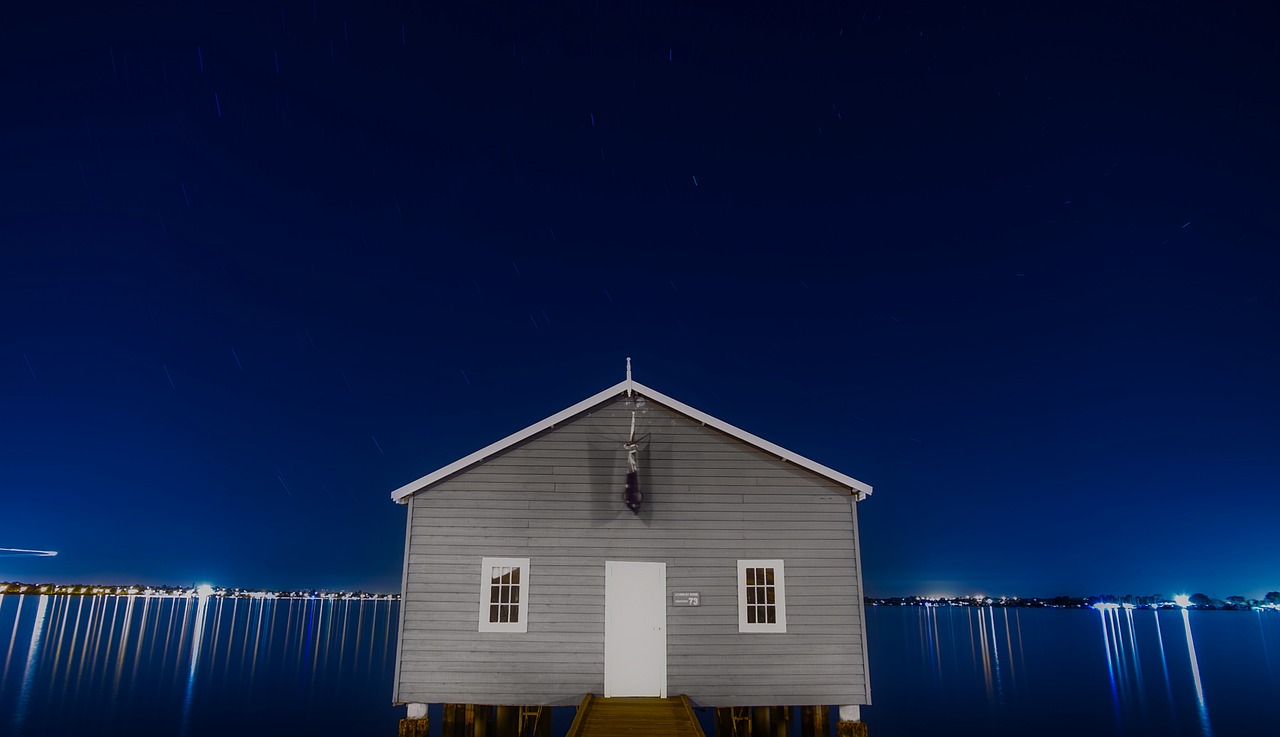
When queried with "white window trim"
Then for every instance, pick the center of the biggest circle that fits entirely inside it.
(779, 596)
(486, 565)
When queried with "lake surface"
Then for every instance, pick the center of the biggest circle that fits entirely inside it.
(186, 666)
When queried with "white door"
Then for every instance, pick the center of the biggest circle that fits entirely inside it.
(635, 629)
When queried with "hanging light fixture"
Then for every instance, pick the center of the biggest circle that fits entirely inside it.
(631, 495)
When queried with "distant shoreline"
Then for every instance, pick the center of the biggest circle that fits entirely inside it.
(1235, 603)
(183, 592)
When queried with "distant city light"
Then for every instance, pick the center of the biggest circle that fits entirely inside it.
(204, 591)
(1182, 600)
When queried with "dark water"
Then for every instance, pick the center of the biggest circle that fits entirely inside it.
(110, 666)
(1073, 671)
(173, 666)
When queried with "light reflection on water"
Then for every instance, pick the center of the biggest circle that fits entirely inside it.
(177, 665)
(1113, 671)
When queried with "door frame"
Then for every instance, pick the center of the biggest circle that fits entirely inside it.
(611, 568)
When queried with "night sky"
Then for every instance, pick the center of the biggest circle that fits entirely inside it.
(262, 263)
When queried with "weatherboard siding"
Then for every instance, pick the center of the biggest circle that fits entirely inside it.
(709, 500)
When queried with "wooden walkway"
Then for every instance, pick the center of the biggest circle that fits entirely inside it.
(635, 717)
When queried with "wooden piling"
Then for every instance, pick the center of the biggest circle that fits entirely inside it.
(505, 721)
(761, 721)
(535, 721)
(420, 727)
(851, 729)
(727, 718)
(780, 716)
(479, 720)
(815, 721)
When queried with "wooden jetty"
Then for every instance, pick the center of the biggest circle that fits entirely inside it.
(624, 717)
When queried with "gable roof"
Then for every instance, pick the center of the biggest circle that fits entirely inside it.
(856, 487)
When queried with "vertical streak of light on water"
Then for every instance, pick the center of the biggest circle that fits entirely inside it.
(359, 631)
(951, 629)
(106, 652)
(342, 640)
(986, 653)
(28, 673)
(71, 651)
(973, 655)
(933, 612)
(13, 638)
(61, 605)
(1022, 651)
(217, 622)
(1164, 665)
(124, 644)
(330, 606)
(257, 638)
(271, 625)
(1195, 672)
(307, 619)
(319, 635)
(182, 636)
(926, 637)
(142, 637)
(1137, 660)
(1008, 640)
(244, 643)
(168, 635)
(231, 641)
(393, 625)
(288, 626)
(197, 638)
(995, 659)
(1111, 673)
(1122, 660)
(373, 635)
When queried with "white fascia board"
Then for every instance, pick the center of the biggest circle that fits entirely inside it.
(403, 493)
(859, 489)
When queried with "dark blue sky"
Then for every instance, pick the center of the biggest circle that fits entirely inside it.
(262, 263)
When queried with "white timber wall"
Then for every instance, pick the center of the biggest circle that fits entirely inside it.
(709, 500)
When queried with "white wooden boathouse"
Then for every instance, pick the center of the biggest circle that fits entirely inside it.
(632, 546)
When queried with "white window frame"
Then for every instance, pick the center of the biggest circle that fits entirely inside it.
(779, 598)
(522, 619)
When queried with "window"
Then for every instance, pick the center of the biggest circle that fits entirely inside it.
(762, 603)
(504, 585)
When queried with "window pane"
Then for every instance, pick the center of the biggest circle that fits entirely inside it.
(515, 575)
(751, 594)
(751, 615)
(751, 577)
(493, 613)
(772, 615)
(493, 594)
(515, 594)
(769, 595)
(504, 594)
(768, 576)
(515, 614)
(504, 613)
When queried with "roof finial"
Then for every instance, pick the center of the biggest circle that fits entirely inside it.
(628, 376)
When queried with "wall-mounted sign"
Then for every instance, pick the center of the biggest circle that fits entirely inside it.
(685, 598)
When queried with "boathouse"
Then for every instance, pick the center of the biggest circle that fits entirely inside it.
(633, 546)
